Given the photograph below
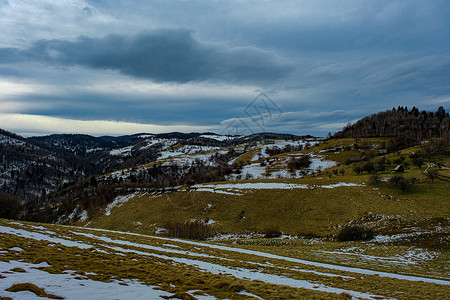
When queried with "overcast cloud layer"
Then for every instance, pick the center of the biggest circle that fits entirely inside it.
(118, 67)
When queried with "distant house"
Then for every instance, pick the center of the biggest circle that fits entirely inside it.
(398, 169)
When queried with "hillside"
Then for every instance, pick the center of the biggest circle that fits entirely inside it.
(90, 169)
(401, 123)
(29, 169)
(306, 205)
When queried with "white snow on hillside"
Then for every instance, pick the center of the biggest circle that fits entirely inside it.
(146, 136)
(187, 154)
(94, 149)
(83, 216)
(256, 171)
(219, 137)
(118, 201)
(281, 144)
(126, 151)
(171, 153)
(163, 143)
(317, 163)
(332, 186)
(239, 188)
(232, 188)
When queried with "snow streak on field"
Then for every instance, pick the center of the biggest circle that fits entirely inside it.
(69, 285)
(251, 268)
(239, 188)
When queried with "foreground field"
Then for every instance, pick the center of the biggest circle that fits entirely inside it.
(75, 263)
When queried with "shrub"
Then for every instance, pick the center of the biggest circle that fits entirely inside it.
(395, 179)
(369, 167)
(357, 168)
(381, 164)
(225, 285)
(10, 206)
(374, 179)
(404, 184)
(298, 163)
(272, 232)
(417, 160)
(354, 233)
(195, 230)
(308, 236)
(432, 174)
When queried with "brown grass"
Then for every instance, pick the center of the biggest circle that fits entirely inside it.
(18, 270)
(182, 278)
(18, 287)
(196, 230)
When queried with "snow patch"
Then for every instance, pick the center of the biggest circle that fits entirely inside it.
(254, 186)
(118, 201)
(339, 184)
(126, 151)
(67, 286)
(17, 249)
(83, 216)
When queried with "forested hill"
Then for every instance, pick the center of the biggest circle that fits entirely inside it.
(420, 125)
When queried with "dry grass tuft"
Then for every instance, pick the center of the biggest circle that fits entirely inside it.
(40, 260)
(221, 284)
(182, 296)
(272, 232)
(18, 270)
(354, 233)
(18, 287)
(345, 295)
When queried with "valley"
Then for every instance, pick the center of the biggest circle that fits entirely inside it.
(205, 216)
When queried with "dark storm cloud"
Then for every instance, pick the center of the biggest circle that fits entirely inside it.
(162, 56)
(93, 106)
(326, 62)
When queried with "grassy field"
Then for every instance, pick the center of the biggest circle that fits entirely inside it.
(313, 210)
(227, 269)
(317, 205)
(407, 258)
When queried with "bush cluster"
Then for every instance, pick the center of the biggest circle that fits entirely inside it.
(298, 163)
(272, 232)
(404, 184)
(354, 233)
(10, 206)
(194, 230)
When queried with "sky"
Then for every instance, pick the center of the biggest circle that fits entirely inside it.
(226, 66)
